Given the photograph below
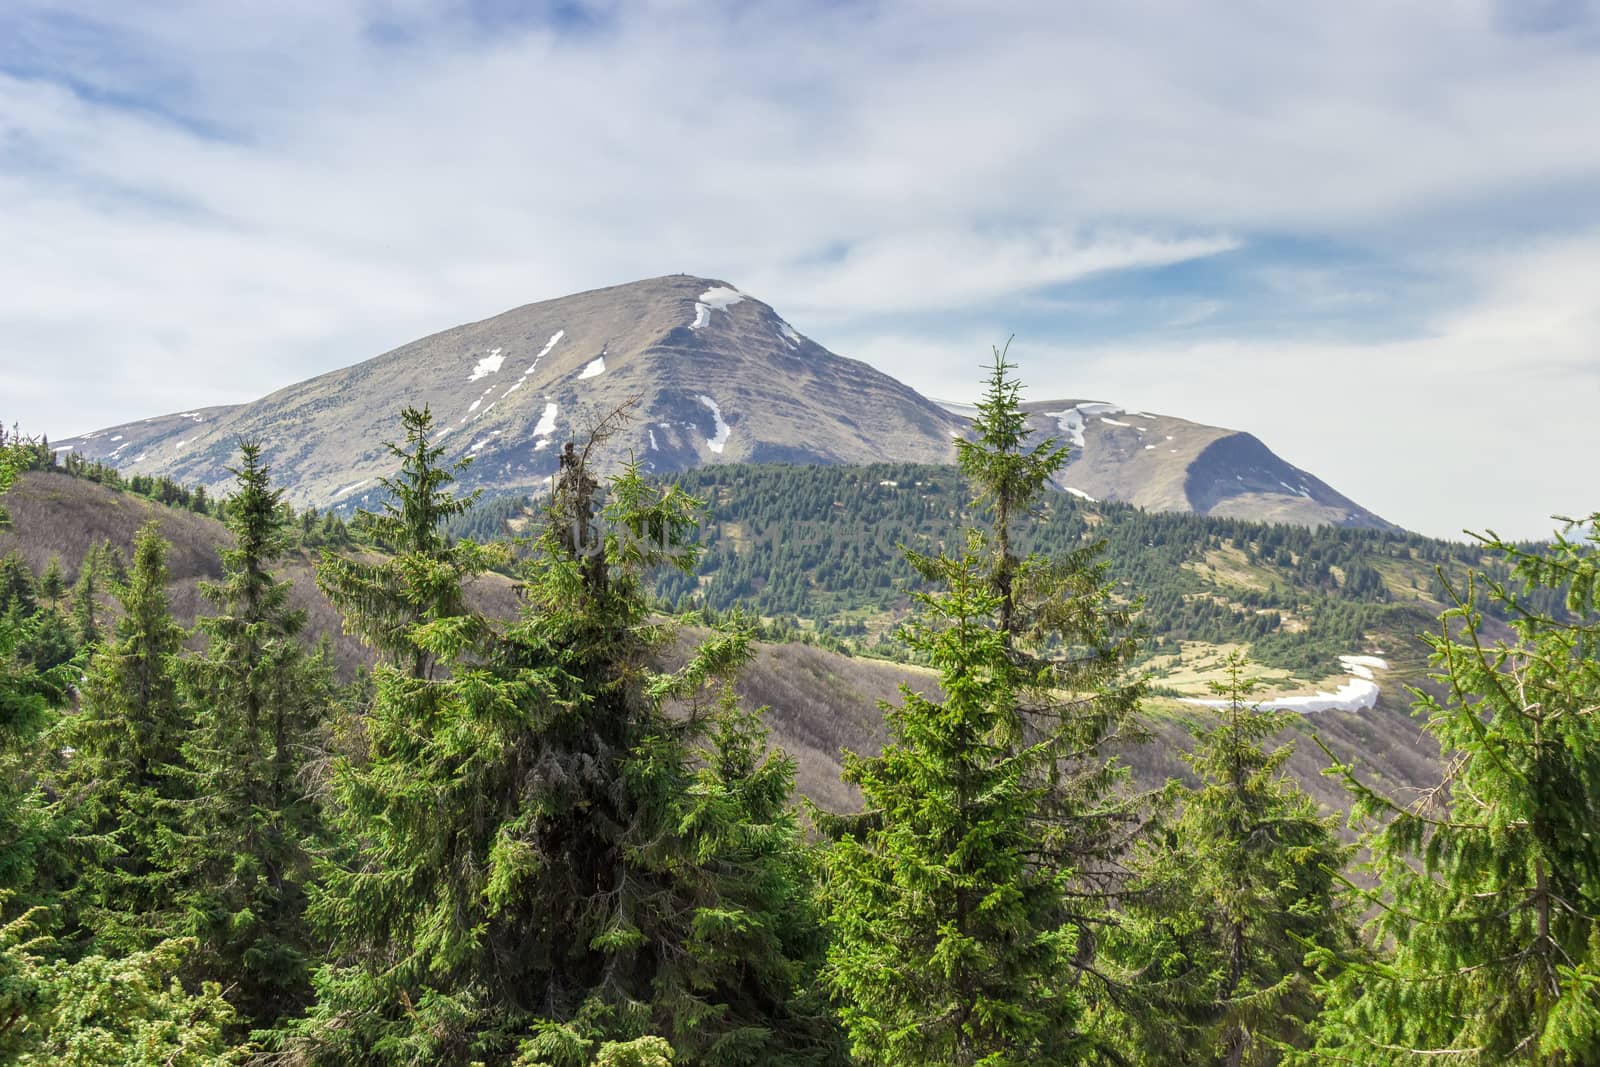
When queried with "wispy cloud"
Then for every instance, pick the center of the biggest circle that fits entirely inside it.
(204, 203)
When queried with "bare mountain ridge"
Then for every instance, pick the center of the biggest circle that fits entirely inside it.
(720, 376)
(1162, 463)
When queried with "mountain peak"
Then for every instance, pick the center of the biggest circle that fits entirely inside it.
(717, 376)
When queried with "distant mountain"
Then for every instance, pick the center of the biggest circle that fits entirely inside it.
(719, 376)
(1162, 463)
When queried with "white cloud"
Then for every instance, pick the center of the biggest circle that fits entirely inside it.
(1485, 421)
(297, 188)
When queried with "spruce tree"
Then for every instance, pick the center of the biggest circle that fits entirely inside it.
(537, 877)
(28, 699)
(86, 605)
(123, 787)
(1072, 637)
(420, 577)
(18, 591)
(1485, 948)
(1226, 901)
(251, 827)
(993, 830)
(949, 943)
(52, 587)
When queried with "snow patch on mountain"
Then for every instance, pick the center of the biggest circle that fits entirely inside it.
(1360, 693)
(488, 365)
(717, 298)
(547, 422)
(717, 443)
(596, 367)
(1070, 423)
(720, 298)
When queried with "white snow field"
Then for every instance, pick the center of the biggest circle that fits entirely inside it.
(595, 368)
(1360, 693)
(545, 351)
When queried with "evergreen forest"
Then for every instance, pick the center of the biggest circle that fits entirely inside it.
(559, 837)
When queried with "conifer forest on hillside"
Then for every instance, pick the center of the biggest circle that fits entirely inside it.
(532, 821)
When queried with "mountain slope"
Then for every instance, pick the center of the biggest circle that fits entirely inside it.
(1163, 463)
(719, 375)
(818, 703)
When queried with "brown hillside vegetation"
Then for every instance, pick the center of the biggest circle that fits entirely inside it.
(819, 702)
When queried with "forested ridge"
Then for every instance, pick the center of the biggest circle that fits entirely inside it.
(816, 550)
(544, 840)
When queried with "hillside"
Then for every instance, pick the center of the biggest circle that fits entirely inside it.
(819, 702)
(817, 547)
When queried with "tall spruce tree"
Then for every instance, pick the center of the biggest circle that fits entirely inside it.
(1227, 900)
(964, 902)
(86, 605)
(123, 787)
(949, 942)
(538, 878)
(251, 827)
(28, 699)
(420, 577)
(1486, 940)
(1072, 638)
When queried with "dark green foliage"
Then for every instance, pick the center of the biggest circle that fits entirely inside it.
(818, 543)
(121, 1010)
(1488, 898)
(251, 826)
(18, 591)
(1226, 901)
(28, 698)
(950, 945)
(964, 901)
(419, 579)
(86, 606)
(51, 585)
(538, 870)
(123, 787)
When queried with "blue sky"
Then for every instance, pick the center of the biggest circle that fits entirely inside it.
(1368, 234)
